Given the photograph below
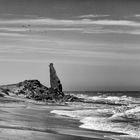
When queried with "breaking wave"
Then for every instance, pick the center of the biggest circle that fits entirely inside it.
(104, 99)
(124, 118)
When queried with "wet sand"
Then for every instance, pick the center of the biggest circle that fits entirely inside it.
(20, 119)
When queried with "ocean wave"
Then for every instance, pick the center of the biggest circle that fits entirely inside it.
(96, 123)
(112, 100)
(103, 119)
(102, 124)
(123, 100)
(104, 116)
(131, 115)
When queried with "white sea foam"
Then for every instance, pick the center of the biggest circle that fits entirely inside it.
(102, 124)
(128, 115)
(107, 99)
(104, 117)
(97, 123)
(112, 99)
(78, 114)
(99, 120)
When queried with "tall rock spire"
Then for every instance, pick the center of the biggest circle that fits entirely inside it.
(54, 80)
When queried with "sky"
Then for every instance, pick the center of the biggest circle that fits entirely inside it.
(94, 44)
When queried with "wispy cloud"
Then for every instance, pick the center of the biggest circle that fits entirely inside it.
(12, 34)
(100, 52)
(21, 32)
(80, 25)
(42, 25)
(132, 17)
(137, 15)
(66, 22)
(92, 16)
(13, 29)
(117, 23)
(117, 31)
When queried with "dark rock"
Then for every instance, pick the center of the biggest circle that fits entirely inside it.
(53, 77)
(5, 91)
(71, 98)
(33, 89)
(2, 95)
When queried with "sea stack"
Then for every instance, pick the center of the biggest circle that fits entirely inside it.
(55, 82)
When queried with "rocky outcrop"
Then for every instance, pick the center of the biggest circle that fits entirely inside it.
(33, 89)
(130, 115)
(4, 92)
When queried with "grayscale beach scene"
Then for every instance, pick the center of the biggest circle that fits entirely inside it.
(69, 70)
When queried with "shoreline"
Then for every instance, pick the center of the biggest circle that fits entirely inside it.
(26, 120)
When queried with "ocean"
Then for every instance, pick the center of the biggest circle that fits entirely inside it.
(111, 112)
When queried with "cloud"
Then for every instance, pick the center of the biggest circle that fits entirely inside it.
(12, 34)
(137, 15)
(117, 31)
(54, 60)
(17, 30)
(62, 29)
(18, 51)
(12, 29)
(35, 26)
(92, 16)
(116, 22)
(67, 22)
